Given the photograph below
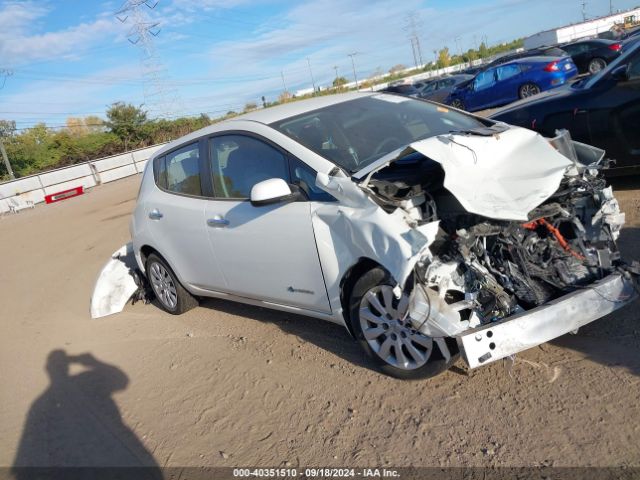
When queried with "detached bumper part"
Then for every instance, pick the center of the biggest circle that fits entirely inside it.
(116, 283)
(522, 331)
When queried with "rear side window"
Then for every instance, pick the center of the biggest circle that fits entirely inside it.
(179, 171)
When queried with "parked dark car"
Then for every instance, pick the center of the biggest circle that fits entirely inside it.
(591, 56)
(438, 90)
(546, 51)
(506, 83)
(602, 110)
(402, 89)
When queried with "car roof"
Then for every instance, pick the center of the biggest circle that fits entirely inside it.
(291, 109)
(268, 115)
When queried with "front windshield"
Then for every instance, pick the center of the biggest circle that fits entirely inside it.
(605, 71)
(356, 133)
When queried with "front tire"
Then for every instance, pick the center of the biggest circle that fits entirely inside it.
(380, 325)
(170, 293)
(457, 103)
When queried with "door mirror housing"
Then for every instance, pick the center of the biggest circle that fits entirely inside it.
(621, 73)
(273, 190)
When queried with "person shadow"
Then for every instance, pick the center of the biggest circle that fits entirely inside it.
(75, 430)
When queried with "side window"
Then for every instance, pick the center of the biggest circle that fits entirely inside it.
(507, 71)
(182, 170)
(239, 162)
(304, 176)
(160, 172)
(484, 80)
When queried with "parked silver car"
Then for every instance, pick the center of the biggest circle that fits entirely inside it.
(425, 231)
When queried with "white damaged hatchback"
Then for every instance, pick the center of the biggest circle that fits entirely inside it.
(427, 232)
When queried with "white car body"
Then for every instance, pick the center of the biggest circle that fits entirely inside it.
(296, 256)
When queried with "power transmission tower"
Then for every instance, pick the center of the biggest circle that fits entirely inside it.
(412, 26)
(4, 74)
(584, 11)
(159, 100)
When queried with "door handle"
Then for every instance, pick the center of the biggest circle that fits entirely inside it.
(155, 214)
(217, 222)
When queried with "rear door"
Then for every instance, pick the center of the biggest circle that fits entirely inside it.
(176, 217)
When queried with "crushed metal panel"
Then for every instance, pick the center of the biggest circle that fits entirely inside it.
(520, 332)
(503, 176)
(371, 232)
(115, 284)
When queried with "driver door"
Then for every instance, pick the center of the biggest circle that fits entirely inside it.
(266, 252)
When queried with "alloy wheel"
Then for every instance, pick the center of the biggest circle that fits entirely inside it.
(529, 90)
(388, 331)
(596, 65)
(163, 286)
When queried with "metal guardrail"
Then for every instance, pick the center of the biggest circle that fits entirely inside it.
(33, 188)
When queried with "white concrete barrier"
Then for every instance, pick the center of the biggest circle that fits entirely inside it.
(88, 174)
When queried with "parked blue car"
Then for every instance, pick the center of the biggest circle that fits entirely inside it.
(506, 83)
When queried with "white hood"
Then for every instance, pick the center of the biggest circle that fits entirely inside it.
(502, 176)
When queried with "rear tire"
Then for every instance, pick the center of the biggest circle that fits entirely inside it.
(379, 324)
(528, 90)
(170, 293)
(596, 64)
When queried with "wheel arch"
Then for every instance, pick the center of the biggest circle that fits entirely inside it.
(348, 281)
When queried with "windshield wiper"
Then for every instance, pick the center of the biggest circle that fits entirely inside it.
(482, 131)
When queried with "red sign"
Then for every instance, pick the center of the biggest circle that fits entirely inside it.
(56, 197)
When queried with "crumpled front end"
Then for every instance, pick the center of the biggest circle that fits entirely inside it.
(521, 230)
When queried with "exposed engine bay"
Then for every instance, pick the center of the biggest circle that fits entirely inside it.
(480, 269)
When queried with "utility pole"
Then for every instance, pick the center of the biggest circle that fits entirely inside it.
(6, 160)
(335, 67)
(435, 56)
(353, 64)
(610, 7)
(313, 82)
(457, 40)
(584, 11)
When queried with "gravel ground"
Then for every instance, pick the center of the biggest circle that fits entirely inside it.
(234, 385)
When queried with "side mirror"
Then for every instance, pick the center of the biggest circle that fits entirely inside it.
(621, 73)
(271, 191)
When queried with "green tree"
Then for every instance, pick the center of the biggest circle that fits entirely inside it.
(126, 121)
(339, 82)
(444, 60)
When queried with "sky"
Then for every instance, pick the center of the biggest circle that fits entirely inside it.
(76, 57)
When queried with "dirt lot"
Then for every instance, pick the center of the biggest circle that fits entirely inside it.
(230, 385)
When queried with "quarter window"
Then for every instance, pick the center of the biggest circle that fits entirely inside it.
(182, 171)
(239, 162)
